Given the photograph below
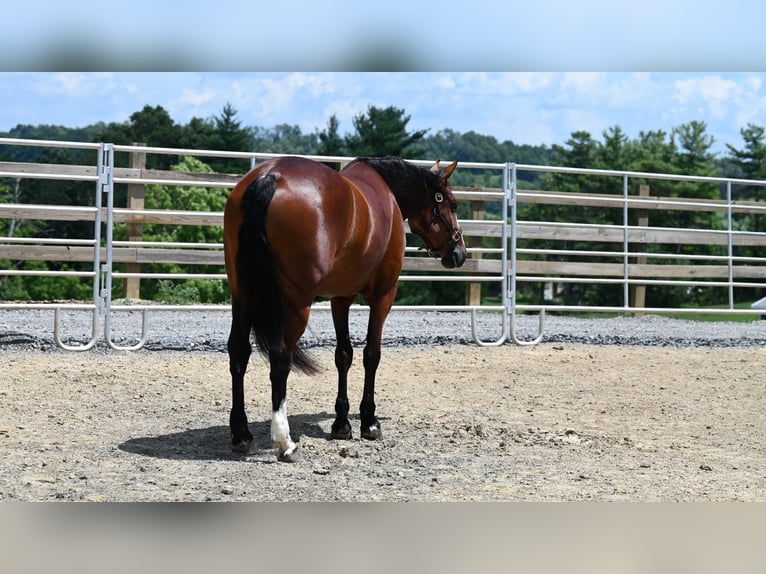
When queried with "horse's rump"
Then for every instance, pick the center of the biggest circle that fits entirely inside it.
(261, 298)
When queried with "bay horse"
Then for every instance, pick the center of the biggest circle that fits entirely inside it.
(295, 229)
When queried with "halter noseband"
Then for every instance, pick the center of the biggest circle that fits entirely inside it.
(455, 234)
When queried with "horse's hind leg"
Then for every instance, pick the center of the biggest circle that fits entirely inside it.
(280, 359)
(344, 355)
(287, 450)
(239, 354)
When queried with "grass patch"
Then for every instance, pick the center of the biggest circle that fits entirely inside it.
(716, 317)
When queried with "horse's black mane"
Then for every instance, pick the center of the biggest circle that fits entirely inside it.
(408, 182)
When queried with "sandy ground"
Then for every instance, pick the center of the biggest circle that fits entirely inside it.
(552, 422)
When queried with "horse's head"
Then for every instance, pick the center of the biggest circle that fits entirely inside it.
(436, 223)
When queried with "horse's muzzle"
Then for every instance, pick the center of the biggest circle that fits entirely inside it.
(456, 258)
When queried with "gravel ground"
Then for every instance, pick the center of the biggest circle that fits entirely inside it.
(208, 330)
(637, 409)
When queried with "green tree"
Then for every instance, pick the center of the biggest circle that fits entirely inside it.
(581, 150)
(750, 160)
(151, 126)
(578, 151)
(382, 132)
(222, 133)
(450, 145)
(184, 198)
(330, 140)
(231, 136)
(615, 151)
(198, 134)
(654, 152)
(694, 156)
(21, 288)
(685, 151)
(284, 139)
(228, 128)
(750, 163)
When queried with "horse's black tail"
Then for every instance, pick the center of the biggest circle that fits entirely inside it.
(266, 303)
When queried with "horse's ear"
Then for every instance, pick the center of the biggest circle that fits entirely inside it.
(435, 167)
(448, 172)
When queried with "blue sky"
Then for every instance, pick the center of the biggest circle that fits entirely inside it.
(662, 63)
(525, 107)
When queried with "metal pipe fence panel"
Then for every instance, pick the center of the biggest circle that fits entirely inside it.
(628, 237)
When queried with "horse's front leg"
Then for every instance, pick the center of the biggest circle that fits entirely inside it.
(344, 355)
(370, 424)
(378, 312)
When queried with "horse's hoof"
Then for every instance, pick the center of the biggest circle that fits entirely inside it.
(243, 447)
(372, 432)
(342, 433)
(294, 456)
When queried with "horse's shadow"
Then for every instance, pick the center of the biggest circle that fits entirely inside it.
(213, 443)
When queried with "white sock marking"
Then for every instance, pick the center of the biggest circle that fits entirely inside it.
(280, 430)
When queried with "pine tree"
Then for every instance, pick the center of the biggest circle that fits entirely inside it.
(330, 141)
(383, 131)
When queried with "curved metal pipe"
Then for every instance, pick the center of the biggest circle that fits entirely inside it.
(141, 341)
(540, 330)
(503, 337)
(57, 333)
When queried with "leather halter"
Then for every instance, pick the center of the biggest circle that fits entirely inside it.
(455, 234)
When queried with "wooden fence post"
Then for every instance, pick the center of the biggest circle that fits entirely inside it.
(638, 292)
(473, 290)
(134, 231)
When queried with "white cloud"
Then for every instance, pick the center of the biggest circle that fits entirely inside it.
(753, 83)
(496, 83)
(635, 90)
(750, 105)
(446, 82)
(195, 97)
(713, 92)
(79, 84)
(345, 110)
(589, 82)
(273, 99)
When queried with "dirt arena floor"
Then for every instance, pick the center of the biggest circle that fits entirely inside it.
(461, 423)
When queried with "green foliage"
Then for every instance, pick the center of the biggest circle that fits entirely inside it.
(330, 140)
(284, 139)
(62, 288)
(221, 133)
(187, 198)
(172, 293)
(152, 126)
(750, 161)
(382, 132)
(184, 198)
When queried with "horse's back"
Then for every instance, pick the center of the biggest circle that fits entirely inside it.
(328, 234)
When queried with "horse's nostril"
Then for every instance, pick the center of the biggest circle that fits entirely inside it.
(460, 256)
(454, 259)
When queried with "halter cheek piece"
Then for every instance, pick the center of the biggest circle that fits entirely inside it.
(455, 234)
